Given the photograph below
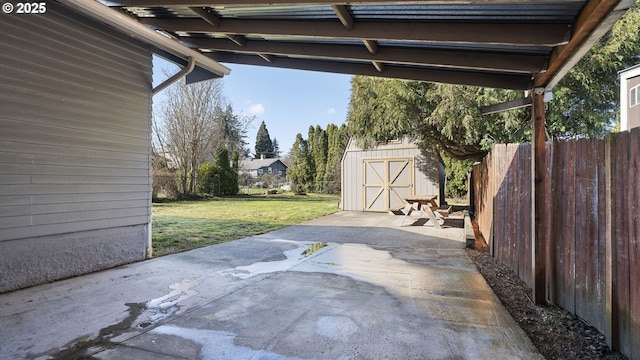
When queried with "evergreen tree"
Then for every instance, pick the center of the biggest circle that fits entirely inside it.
(218, 178)
(319, 153)
(230, 131)
(264, 145)
(447, 117)
(276, 148)
(337, 139)
(310, 145)
(235, 162)
(300, 171)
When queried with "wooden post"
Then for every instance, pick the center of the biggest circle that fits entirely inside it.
(538, 185)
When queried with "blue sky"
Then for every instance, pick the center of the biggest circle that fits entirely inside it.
(288, 101)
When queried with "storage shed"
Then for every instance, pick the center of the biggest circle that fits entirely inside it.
(379, 178)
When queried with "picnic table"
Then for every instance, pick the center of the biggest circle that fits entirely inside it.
(425, 205)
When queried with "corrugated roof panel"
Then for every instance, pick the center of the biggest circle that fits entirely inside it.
(539, 12)
(285, 12)
(517, 12)
(161, 12)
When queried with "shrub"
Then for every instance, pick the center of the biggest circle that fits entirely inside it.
(219, 178)
(163, 184)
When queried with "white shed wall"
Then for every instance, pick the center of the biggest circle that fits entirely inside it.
(425, 170)
(75, 106)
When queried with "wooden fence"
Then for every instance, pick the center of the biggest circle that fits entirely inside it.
(591, 222)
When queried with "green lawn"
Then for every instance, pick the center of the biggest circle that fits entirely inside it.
(185, 225)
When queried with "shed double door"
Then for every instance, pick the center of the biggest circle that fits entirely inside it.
(386, 182)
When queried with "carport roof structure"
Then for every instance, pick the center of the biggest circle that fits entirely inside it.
(513, 44)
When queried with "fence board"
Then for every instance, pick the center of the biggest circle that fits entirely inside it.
(513, 205)
(601, 238)
(524, 156)
(499, 208)
(587, 257)
(582, 241)
(559, 207)
(483, 201)
(566, 266)
(548, 215)
(621, 297)
(633, 185)
(575, 219)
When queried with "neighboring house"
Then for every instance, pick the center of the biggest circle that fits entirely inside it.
(630, 98)
(75, 135)
(257, 167)
(379, 178)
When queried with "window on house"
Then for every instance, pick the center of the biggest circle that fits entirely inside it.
(270, 170)
(260, 171)
(281, 172)
(634, 96)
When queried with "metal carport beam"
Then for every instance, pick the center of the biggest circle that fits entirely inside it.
(519, 34)
(141, 32)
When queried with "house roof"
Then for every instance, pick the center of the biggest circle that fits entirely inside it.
(630, 72)
(514, 44)
(255, 164)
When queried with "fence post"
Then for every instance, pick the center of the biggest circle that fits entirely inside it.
(538, 238)
(611, 325)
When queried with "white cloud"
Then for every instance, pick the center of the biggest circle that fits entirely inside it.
(331, 111)
(256, 109)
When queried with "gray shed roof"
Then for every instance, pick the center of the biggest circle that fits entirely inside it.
(513, 44)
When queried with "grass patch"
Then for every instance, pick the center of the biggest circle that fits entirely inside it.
(185, 225)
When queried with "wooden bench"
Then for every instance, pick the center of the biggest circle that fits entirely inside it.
(398, 210)
(443, 210)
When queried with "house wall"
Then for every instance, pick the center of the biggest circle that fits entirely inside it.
(633, 114)
(425, 170)
(252, 168)
(276, 168)
(629, 116)
(75, 182)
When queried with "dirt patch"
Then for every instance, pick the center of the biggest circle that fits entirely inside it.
(557, 333)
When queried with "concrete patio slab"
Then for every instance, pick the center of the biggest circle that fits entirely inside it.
(375, 291)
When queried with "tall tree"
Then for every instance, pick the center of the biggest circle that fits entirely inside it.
(276, 148)
(264, 145)
(447, 117)
(337, 139)
(219, 178)
(300, 172)
(311, 134)
(382, 109)
(231, 132)
(189, 118)
(586, 100)
(319, 154)
(438, 116)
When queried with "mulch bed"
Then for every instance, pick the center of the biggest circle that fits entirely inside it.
(557, 333)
